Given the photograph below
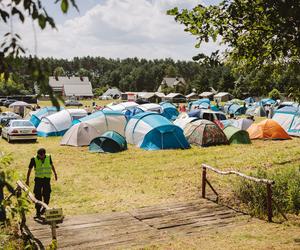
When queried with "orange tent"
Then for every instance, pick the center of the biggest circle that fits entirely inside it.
(267, 129)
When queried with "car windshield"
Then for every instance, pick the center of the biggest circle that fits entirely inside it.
(21, 124)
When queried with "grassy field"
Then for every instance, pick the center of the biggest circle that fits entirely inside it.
(92, 183)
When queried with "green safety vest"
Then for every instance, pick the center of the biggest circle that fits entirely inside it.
(43, 169)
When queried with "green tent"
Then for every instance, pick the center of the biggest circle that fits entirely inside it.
(236, 136)
(110, 142)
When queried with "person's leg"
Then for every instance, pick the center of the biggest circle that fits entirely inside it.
(46, 191)
(38, 194)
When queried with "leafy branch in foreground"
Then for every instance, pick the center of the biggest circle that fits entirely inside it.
(11, 47)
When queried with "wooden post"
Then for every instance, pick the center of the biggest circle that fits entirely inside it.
(53, 230)
(269, 201)
(203, 181)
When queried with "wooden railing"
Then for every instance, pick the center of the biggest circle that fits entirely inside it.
(267, 182)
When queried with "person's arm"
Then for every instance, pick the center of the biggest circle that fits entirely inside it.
(28, 176)
(53, 169)
(31, 165)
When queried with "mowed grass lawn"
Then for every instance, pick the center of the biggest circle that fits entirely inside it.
(96, 183)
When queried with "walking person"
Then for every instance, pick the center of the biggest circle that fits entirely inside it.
(43, 167)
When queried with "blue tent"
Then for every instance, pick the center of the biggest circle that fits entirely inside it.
(37, 116)
(169, 111)
(132, 112)
(109, 142)
(289, 118)
(151, 131)
(199, 103)
(267, 101)
(234, 109)
(249, 100)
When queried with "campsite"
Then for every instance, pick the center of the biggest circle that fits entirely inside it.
(142, 124)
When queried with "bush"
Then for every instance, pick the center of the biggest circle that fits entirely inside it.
(274, 94)
(286, 192)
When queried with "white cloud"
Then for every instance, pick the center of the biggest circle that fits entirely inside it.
(118, 29)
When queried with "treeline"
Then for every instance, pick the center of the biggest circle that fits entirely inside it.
(135, 74)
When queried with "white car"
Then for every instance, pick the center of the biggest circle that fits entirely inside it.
(19, 130)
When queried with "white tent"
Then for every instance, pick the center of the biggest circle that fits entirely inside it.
(94, 125)
(151, 107)
(81, 134)
(182, 122)
(121, 106)
(57, 124)
(242, 124)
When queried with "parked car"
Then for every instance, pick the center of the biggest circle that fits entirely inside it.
(5, 120)
(73, 103)
(2, 100)
(9, 114)
(208, 114)
(19, 130)
(6, 103)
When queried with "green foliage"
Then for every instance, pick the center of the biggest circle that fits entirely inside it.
(274, 94)
(285, 191)
(59, 71)
(10, 87)
(257, 33)
(100, 91)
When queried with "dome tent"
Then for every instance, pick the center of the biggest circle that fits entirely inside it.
(151, 131)
(267, 129)
(37, 116)
(204, 133)
(236, 136)
(106, 120)
(234, 109)
(121, 106)
(110, 142)
(80, 134)
(243, 123)
(169, 111)
(57, 124)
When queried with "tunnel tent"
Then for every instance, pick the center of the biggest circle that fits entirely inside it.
(151, 131)
(81, 134)
(109, 142)
(58, 123)
(121, 106)
(106, 120)
(37, 116)
(236, 136)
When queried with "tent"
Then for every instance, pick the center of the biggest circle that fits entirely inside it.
(130, 112)
(202, 104)
(257, 110)
(151, 131)
(289, 118)
(204, 133)
(267, 101)
(169, 111)
(105, 120)
(234, 109)
(267, 129)
(151, 107)
(81, 134)
(236, 136)
(249, 100)
(36, 116)
(242, 123)
(110, 142)
(57, 124)
(121, 106)
(182, 122)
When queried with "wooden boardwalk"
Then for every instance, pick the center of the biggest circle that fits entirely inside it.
(136, 228)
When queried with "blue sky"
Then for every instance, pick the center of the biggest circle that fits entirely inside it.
(115, 29)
